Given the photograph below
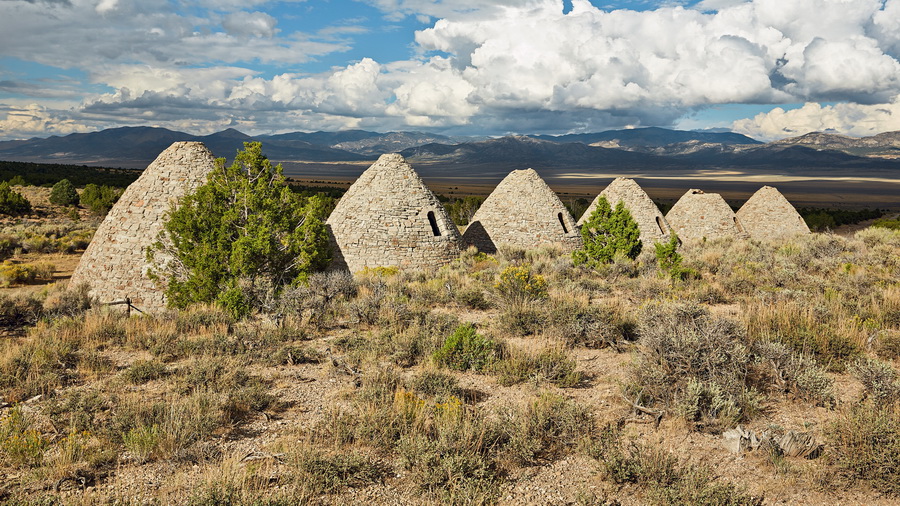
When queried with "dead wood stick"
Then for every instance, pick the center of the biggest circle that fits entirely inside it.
(640, 408)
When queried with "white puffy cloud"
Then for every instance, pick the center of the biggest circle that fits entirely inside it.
(849, 119)
(672, 57)
(35, 120)
(491, 66)
(886, 25)
(432, 95)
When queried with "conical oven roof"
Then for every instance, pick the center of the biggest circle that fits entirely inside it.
(115, 262)
(522, 212)
(390, 218)
(769, 215)
(701, 216)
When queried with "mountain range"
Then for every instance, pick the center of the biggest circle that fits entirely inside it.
(640, 148)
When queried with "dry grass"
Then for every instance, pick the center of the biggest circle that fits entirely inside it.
(466, 383)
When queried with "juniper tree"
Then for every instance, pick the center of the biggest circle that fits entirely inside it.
(668, 259)
(12, 202)
(606, 233)
(63, 193)
(243, 226)
(99, 199)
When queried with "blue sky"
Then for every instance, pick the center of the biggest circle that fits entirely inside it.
(766, 68)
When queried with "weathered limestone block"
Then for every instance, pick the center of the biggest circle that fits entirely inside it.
(522, 212)
(389, 218)
(698, 216)
(115, 262)
(769, 215)
(653, 226)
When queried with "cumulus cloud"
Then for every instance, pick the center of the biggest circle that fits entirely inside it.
(35, 120)
(849, 119)
(491, 66)
(673, 57)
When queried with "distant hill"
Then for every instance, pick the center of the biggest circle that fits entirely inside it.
(634, 149)
(366, 143)
(650, 137)
(497, 156)
(886, 145)
(138, 146)
(523, 152)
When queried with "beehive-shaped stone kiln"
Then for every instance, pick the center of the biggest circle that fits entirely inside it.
(698, 216)
(115, 262)
(769, 215)
(522, 212)
(389, 218)
(652, 224)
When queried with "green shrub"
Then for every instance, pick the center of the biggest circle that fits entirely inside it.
(890, 224)
(465, 349)
(99, 199)
(142, 441)
(17, 273)
(606, 234)
(669, 260)
(63, 193)
(461, 210)
(19, 441)
(17, 180)
(12, 202)
(244, 227)
(518, 285)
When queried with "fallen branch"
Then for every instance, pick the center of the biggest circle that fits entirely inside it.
(642, 409)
